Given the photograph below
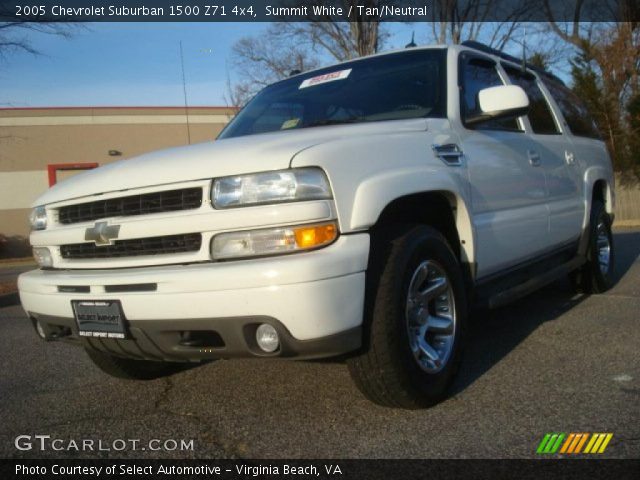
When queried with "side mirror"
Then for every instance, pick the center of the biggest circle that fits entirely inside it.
(504, 101)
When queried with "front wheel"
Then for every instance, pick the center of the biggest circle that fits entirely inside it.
(132, 369)
(415, 319)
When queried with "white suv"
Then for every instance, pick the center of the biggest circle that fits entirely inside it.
(358, 209)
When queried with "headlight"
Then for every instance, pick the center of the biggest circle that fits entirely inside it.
(38, 218)
(272, 241)
(270, 187)
(43, 256)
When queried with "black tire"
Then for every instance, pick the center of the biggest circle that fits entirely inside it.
(590, 278)
(129, 369)
(385, 370)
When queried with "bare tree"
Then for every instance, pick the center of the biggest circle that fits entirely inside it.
(14, 36)
(454, 21)
(614, 47)
(324, 33)
(261, 60)
(287, 46)
(611, 50)
(340, 40)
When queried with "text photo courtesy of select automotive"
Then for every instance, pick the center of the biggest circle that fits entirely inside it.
(257, 239)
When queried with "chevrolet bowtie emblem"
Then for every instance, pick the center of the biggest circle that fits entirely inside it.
(102, 233)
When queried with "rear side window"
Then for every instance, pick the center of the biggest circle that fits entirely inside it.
(540, 114)
(574, 111)
(478, 74)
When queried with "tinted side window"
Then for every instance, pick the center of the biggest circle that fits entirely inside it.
(476, 75)
(540, 115)
(574, 111)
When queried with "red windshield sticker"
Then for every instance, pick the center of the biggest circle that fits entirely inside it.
(327, 77)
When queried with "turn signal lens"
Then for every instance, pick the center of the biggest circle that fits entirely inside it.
(315, 236)
(255, 243)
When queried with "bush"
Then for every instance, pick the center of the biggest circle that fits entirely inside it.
(14, 247)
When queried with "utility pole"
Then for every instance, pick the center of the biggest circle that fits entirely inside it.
(184, 90)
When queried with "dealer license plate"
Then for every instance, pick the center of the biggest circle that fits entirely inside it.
(100, 318)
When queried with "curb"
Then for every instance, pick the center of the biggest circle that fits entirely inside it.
(9, 299)
(16, 264)
(626, 223)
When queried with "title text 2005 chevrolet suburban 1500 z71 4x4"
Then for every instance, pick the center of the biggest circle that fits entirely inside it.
(359, 209)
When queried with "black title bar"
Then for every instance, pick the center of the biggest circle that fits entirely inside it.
(321, 469)
(318, 10)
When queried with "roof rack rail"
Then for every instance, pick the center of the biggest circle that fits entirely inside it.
(492, 51)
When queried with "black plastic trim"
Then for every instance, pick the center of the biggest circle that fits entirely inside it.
(161, 339)
(133, 287)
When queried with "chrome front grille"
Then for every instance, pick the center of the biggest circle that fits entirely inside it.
(169, 244)
(142, 204)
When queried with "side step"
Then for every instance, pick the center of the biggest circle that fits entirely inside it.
(509, 295)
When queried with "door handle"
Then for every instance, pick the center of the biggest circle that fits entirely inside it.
(569, 157)
(534, 158)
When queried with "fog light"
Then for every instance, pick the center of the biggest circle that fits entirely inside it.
(267, 338)
(43, 256)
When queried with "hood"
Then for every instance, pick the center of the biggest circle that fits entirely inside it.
(233, 156)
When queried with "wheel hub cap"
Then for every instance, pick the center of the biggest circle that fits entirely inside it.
(431, 317)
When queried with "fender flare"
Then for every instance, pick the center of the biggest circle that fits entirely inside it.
(374, 194)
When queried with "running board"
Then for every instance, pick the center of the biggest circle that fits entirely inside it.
(518, 291)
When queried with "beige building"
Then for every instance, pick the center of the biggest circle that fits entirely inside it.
(41, 146)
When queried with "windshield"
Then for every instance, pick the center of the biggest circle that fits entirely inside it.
(410, 84)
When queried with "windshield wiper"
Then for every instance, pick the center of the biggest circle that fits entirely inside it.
(334, 121)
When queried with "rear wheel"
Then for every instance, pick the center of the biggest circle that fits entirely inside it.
(132, 369)
(415, 319)
(596, 275)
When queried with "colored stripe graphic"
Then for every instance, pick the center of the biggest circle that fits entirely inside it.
(574, 443)
(567, 443)
(556, 445)
(594, 437)
(598, 443)
(543, 443)
(550, 443)
(582, 442)
(605, 442)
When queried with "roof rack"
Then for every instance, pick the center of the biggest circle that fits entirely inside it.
(492, 51)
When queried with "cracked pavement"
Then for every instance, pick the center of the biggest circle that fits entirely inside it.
(552, 362)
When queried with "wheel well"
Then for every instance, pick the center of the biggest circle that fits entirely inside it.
(600, 192)
(436, 209)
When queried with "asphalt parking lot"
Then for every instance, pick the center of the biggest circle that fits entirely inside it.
(553, 362)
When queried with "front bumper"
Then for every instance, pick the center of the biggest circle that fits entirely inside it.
(314, 299)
